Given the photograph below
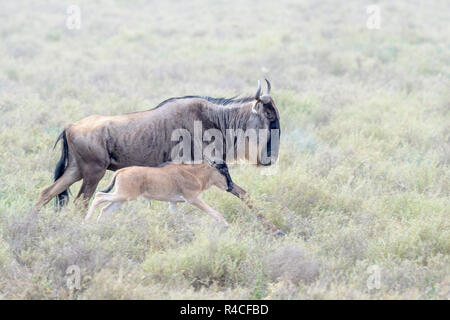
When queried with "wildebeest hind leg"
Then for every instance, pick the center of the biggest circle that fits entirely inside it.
(173, 207)
(70, 176)
(90, 183)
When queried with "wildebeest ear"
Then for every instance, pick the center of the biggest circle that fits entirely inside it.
(265, 99)
(257, 107)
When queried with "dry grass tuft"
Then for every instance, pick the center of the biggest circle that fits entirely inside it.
(292, 264)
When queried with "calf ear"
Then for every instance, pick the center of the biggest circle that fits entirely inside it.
(208, 161)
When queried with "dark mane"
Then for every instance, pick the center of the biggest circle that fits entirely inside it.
(218, 101)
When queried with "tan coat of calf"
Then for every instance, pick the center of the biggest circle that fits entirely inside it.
(172, 183)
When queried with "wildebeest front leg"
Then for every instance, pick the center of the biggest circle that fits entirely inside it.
(173, 207)
(242, 194)
(199, 203)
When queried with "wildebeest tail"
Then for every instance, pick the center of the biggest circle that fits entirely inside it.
(111, 185)
(61, 166)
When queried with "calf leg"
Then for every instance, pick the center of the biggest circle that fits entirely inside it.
(199, 203)
(149, 201)
(109, 208)
(98, 200)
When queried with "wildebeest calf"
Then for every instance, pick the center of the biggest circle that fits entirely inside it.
(172, 183)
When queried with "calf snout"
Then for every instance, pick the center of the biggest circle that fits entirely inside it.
(237, 191)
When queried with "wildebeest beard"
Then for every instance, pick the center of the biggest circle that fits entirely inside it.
(274, 125)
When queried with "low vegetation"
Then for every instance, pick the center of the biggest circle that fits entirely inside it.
(363, 178)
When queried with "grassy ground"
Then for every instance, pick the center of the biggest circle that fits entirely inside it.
(363, 177)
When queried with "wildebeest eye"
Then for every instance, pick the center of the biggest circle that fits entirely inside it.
(268, 115)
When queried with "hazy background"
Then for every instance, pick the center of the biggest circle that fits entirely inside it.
(363, 177)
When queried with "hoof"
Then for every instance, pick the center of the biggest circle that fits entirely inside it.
(280, 233)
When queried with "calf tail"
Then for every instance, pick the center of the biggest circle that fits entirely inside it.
(61, 167)
(111, 185)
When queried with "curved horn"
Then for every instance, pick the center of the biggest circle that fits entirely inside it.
(258, 92)
(268, 86)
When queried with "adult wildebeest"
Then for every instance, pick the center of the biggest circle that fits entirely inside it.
(99, 143)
